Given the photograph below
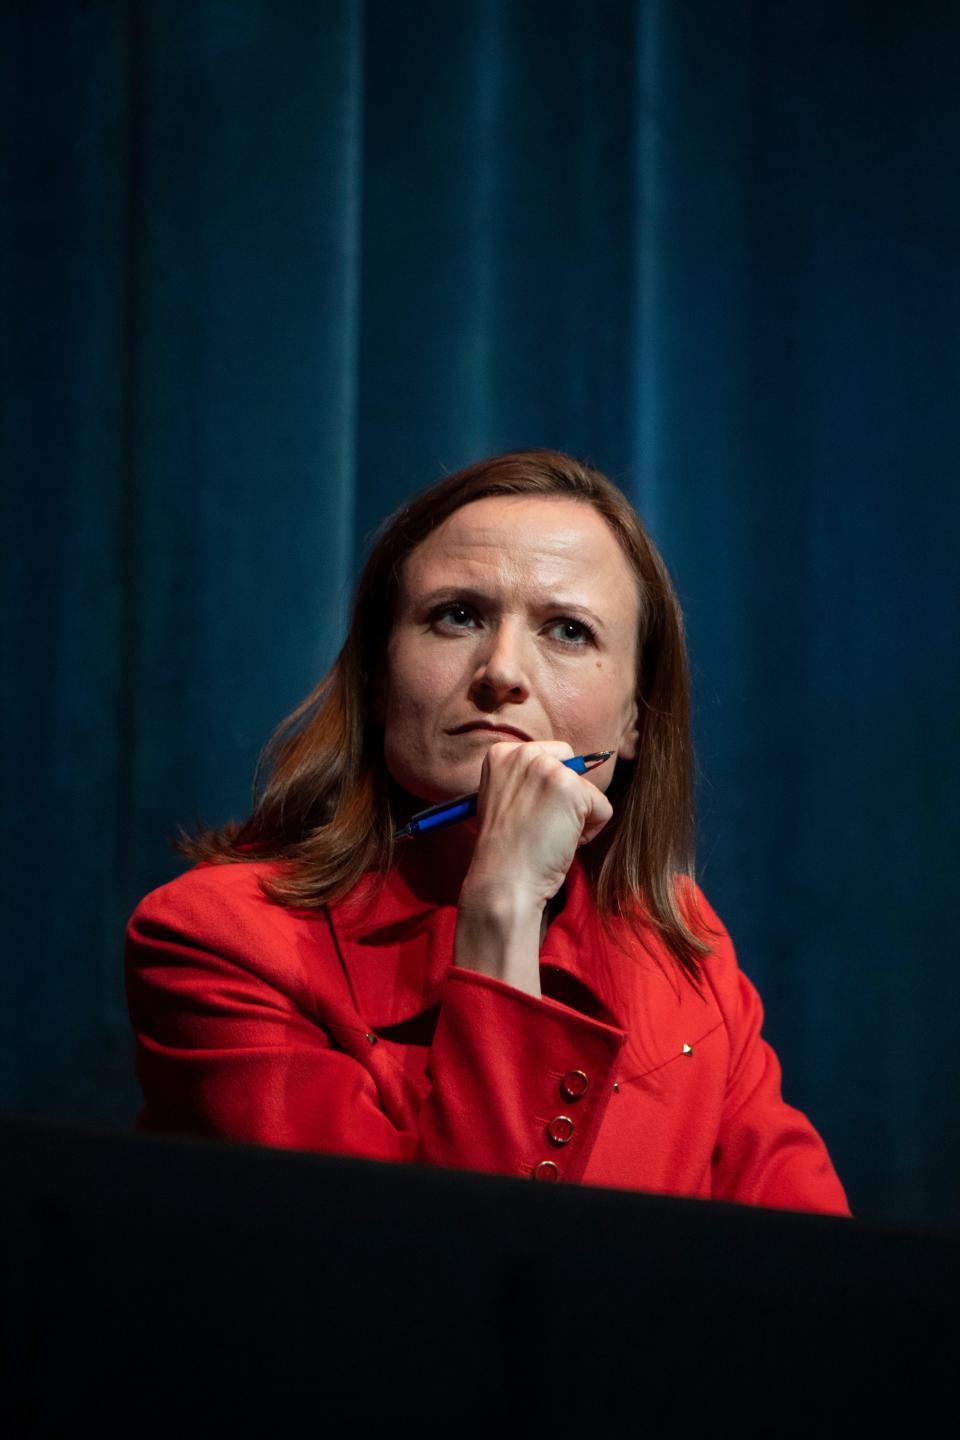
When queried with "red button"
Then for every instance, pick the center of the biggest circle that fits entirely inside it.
(574, 1084)
(560, 1129)
(546, 1170)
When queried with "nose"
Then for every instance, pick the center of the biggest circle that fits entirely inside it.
(501, 673)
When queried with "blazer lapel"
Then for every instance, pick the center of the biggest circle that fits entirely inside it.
(634, 977)
(396, 945)
(396, 940)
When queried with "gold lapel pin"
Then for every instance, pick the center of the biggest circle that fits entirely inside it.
(687, 1049)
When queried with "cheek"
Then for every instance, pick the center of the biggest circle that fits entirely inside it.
(419, 676)
(595, 702)
(586, 687)
(403, 667)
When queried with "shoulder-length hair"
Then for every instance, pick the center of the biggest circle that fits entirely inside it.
(324, 801)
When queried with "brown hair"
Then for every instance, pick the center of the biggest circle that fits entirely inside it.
(325, 802)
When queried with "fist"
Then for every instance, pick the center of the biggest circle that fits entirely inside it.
(532, 814)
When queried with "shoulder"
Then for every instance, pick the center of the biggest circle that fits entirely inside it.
(224, 909)
(211, 891)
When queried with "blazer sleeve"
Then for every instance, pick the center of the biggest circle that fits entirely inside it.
(767, 1152)
(226, 1044)
(235, 1039)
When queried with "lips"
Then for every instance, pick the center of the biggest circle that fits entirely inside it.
(496, 729)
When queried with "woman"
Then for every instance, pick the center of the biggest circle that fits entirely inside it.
(541, 990)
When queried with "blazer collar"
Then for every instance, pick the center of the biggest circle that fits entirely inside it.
(396, 941)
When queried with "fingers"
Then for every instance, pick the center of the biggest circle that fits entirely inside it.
(601, 812)
(533, 813)
(559, 749)
(510, 764)
(516, 758)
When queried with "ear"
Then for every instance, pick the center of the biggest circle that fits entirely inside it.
(629, 746)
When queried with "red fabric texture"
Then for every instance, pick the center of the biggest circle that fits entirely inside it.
(348, 1030)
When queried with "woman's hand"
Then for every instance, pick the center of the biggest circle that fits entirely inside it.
(532, 815)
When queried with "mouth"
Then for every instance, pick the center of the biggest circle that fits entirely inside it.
(493, 729)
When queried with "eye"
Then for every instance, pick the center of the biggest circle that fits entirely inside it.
(452, 608)
(584, 634)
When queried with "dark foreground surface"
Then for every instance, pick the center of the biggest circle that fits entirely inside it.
(166, 1286)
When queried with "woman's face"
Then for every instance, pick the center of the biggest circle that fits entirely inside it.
(518, 611)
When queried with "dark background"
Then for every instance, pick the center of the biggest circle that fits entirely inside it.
(271, 267)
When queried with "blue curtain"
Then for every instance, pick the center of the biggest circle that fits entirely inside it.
(271, 267)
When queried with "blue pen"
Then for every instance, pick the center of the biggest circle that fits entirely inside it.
(453, 810)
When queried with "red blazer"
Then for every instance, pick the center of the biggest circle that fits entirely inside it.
(348, 1029)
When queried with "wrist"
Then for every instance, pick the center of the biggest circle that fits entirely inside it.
(505, 891)
(498, 934)
(508, 907)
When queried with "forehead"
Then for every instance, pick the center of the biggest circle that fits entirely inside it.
(548, 542)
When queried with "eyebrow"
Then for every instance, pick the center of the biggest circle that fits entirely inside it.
(480, 598)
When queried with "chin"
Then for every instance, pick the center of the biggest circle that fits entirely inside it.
(449, 782)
